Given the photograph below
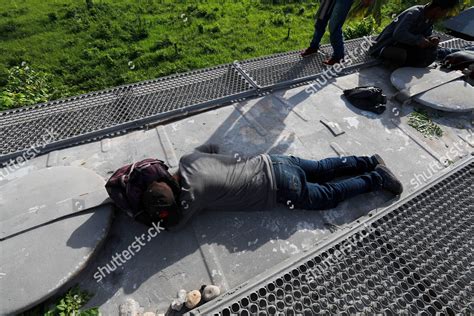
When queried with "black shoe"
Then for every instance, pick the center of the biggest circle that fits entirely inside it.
(390, 181)
(378, 160)
(309, 52)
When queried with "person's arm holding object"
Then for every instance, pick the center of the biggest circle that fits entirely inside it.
(434, 40)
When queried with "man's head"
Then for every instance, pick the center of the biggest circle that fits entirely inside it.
(439, 9)
(160, 204)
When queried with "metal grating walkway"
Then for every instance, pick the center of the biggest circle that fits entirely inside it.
(456, 43)
(96, 114)
(280, 69)
(413, 258)
(101, 114)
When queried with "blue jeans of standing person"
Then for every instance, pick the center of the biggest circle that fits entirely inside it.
(336, 20)
(310, 185)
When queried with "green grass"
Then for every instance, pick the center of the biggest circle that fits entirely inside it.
(85, 48)
(422, 122)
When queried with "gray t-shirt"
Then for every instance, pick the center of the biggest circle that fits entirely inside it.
(211, 181)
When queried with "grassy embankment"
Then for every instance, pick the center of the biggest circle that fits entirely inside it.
(72, 47)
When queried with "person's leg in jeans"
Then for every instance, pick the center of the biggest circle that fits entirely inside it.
(329, 195)
(319, 30)
(320, 171)
(294, 189)
(336, 21)
(442, 52)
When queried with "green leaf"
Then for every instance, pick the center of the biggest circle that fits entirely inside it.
(90, 312)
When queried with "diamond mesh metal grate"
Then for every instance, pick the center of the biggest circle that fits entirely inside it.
(98, 111)
(414, 258)
(456, 43)
(271, 70)
(63, 123)
(442, 36)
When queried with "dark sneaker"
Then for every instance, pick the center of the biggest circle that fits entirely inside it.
(309, 52)
(390, 181)
(332, 61)
(378, 160)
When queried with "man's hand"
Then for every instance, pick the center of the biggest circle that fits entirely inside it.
(367, 3)
(434, 40)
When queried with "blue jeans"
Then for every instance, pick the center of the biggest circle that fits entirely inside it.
(336, 20)
(443, 52)
(308, 184)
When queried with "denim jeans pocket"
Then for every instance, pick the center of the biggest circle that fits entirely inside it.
(289, 184)
(294, 182)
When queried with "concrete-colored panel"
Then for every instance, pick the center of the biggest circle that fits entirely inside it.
(456, 96)
(35, 264)
(160, 267)
(412, 81)
(231, 248)
(47, 195)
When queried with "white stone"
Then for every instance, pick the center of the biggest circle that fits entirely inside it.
(211, 292)
(176, 305)
(182, 295)
(130, 308)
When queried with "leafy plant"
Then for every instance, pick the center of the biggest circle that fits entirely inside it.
(25, 87)
(360, 28)
(71, 303)
(68, 305)
(421, 121)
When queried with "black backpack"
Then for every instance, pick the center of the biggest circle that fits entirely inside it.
(367, 98)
